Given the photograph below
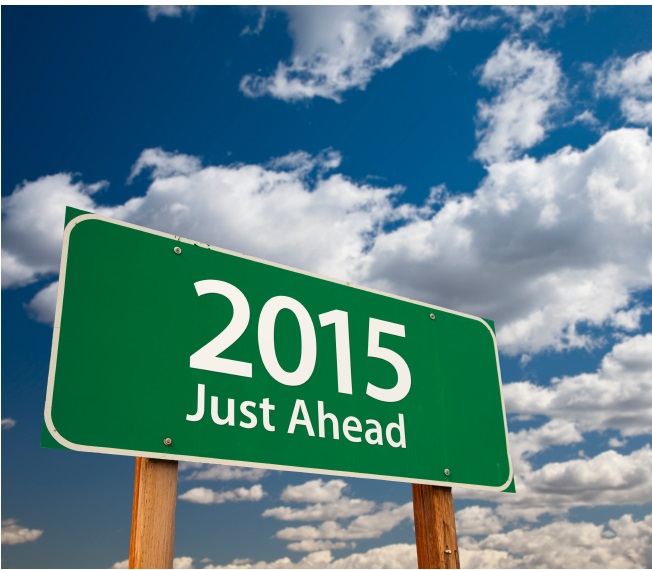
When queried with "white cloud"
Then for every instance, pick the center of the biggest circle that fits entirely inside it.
(623, 543)
(608, 479)
(205, 496)
(541, 17)
(617, 396)
(317, 545)
(223, 473)
(42, 306)
(525, 443)
(340, 509)
(540, 247)
(168, 11)
(322, 225)
(365, 526)
(8, 423)
(337, 48)
(477, 520)
(315, 491)
(274, 212)
(529, 84)
(260, 24)
(32, 225)
(389, 556)
(181, 562)
(629, 80)
(13, 533)
(327, 502)
(164, 164)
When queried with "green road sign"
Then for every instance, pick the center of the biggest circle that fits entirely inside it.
(172, 349)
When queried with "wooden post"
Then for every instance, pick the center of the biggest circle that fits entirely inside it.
(152, 515)
(434, 523)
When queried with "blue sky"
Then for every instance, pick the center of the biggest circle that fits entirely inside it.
(493, 161)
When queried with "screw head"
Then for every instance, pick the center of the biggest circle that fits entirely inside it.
(167, 441)
(432, 316)
(447, 472)
(177, 250)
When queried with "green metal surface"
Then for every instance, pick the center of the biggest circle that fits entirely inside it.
(130, 318)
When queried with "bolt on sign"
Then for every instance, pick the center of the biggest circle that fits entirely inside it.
(168, 348)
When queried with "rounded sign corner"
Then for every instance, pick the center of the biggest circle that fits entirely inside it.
(56, 435)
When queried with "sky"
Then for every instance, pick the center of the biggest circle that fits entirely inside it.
(495, 161)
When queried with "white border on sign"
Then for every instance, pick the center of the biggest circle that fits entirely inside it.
(171, 456)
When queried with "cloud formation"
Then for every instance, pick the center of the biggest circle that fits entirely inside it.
(13, 533)
(337, 48)
(326, 502)
(364, 526)
(8, 423)
(32, 225)
(389, 556)
(315, 491)
(529, 85)
(629, 80)
(168, 11)
(541, 247)
(204, 472)
(205, 496)
(622, 543)
(617, 396)
(477, 520)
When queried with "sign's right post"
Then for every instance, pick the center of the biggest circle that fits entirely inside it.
(434, 524)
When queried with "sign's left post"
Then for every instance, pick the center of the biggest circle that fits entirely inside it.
(152, 515)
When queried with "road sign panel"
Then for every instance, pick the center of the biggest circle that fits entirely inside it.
(164, 347)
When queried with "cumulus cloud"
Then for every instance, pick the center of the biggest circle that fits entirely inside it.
(274, 212)
(8, 423)
(222, 473)
(42, 306)
(622, 543)
(607, 479)
(317, 545)
(617, 396)
(162, 164)
(526, 443)
(13, 533)
(205, 496)
(340, 509)
(629, 80)
(529, 84)
(32, 225)
(365, 526)
(278, 212)
(389, 556)
(337, 48)
(541, 246)
(477, 520)
(168, 11)
(543, 18)
(315, 491)
(326, 504)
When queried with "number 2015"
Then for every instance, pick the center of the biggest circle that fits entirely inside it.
(208, 356)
